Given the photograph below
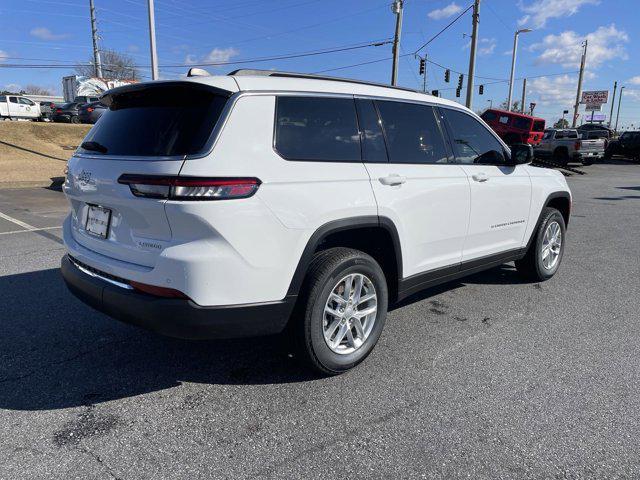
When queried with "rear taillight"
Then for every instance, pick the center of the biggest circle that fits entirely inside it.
(190, 188)
(578, 145)
(90, 109)
(157, 291)
(58, 110)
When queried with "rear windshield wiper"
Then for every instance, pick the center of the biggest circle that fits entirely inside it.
(94, 146)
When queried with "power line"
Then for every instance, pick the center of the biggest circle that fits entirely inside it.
(445, 28)
(237, 62)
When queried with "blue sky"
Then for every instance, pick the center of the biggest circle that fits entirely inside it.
(58, 32)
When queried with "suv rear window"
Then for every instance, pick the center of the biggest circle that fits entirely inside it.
(162, 120)
(317, 129)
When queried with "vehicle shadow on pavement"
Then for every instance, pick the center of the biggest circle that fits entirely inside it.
(55, 352)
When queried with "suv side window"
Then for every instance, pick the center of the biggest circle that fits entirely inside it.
(412, 133)
(372, 137)
(317, 129)
(472, 142)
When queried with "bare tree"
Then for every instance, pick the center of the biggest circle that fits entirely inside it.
(561, 123)
(515, 107)
(115, 66)
(36, 90)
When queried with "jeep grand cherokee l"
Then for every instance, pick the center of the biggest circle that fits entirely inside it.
(263, 202)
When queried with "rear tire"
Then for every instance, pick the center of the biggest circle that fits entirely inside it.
(561, 156)
(74, 119)
(544, 256)
(335, 334)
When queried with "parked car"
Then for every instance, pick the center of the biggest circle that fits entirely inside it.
(360, 195)
(90, 112)
(86, 99)
(628, 145)
(46, 111)
(588, 127)
(566, 145)
(515, 127)
(16, 107)
(67, 112)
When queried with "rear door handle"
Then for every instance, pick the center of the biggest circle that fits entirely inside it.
(480, 177)
(393, 179)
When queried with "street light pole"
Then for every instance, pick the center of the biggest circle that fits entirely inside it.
(613, 101)
(397, 9)
(513, 64)
(472, 54)
(152, 41)
(618, 114)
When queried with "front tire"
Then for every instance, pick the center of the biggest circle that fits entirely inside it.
(343, 309)
(544, 256)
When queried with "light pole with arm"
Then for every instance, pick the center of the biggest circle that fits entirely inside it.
(513, 64)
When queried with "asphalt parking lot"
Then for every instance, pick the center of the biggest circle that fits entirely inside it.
(488, 377)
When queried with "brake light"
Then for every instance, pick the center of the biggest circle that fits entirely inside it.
(578, 145)
(190, 188)
(90, 109)
(157, 291)
(58, 109)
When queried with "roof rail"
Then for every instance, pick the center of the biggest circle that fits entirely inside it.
(272, 73)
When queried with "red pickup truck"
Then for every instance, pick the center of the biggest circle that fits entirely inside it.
(515, 127)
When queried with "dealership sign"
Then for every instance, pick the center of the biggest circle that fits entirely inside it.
(590, 107)
(595, 97)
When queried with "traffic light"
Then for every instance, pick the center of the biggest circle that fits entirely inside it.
(422, 66)
(435, 93)
(481, 90)
(460, 79)
(447, 75)
(457, 92)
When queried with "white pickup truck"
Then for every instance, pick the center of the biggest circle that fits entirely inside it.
(566, 145)
(18, 107)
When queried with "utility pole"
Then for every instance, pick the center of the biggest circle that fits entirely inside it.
(524, 94)
(472, 55)
(513, 64)
(613, 101)
(152, 41)
(618, 114)
(97, 64)
(397, 9)
(579, 92)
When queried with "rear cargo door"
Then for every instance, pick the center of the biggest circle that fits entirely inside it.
(149, 130)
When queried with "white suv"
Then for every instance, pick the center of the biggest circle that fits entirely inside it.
(263, 202)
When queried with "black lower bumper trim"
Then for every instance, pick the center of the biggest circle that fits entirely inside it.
(177, 317)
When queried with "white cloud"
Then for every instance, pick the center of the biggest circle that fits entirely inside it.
(606, 43)
(633, 81)
(220, 55)
(217, 55)
(133, 48)
(12, 87)
(486, 46)
(540, 11)
(557, 91)
(445, 12)
(3, 56)
(44, 33)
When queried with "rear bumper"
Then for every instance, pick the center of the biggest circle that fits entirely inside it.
(176, 317)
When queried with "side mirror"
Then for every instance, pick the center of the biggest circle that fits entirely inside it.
(521, 153)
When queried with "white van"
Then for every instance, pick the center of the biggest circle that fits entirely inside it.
(262, 202)
(18, 107)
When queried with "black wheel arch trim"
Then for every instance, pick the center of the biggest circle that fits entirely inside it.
(552, 196)
(335, 226)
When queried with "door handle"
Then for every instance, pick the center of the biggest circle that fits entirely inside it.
(480, 177)
(393, 179)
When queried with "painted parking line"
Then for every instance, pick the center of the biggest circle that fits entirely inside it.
(30, 230)
(17, 222)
